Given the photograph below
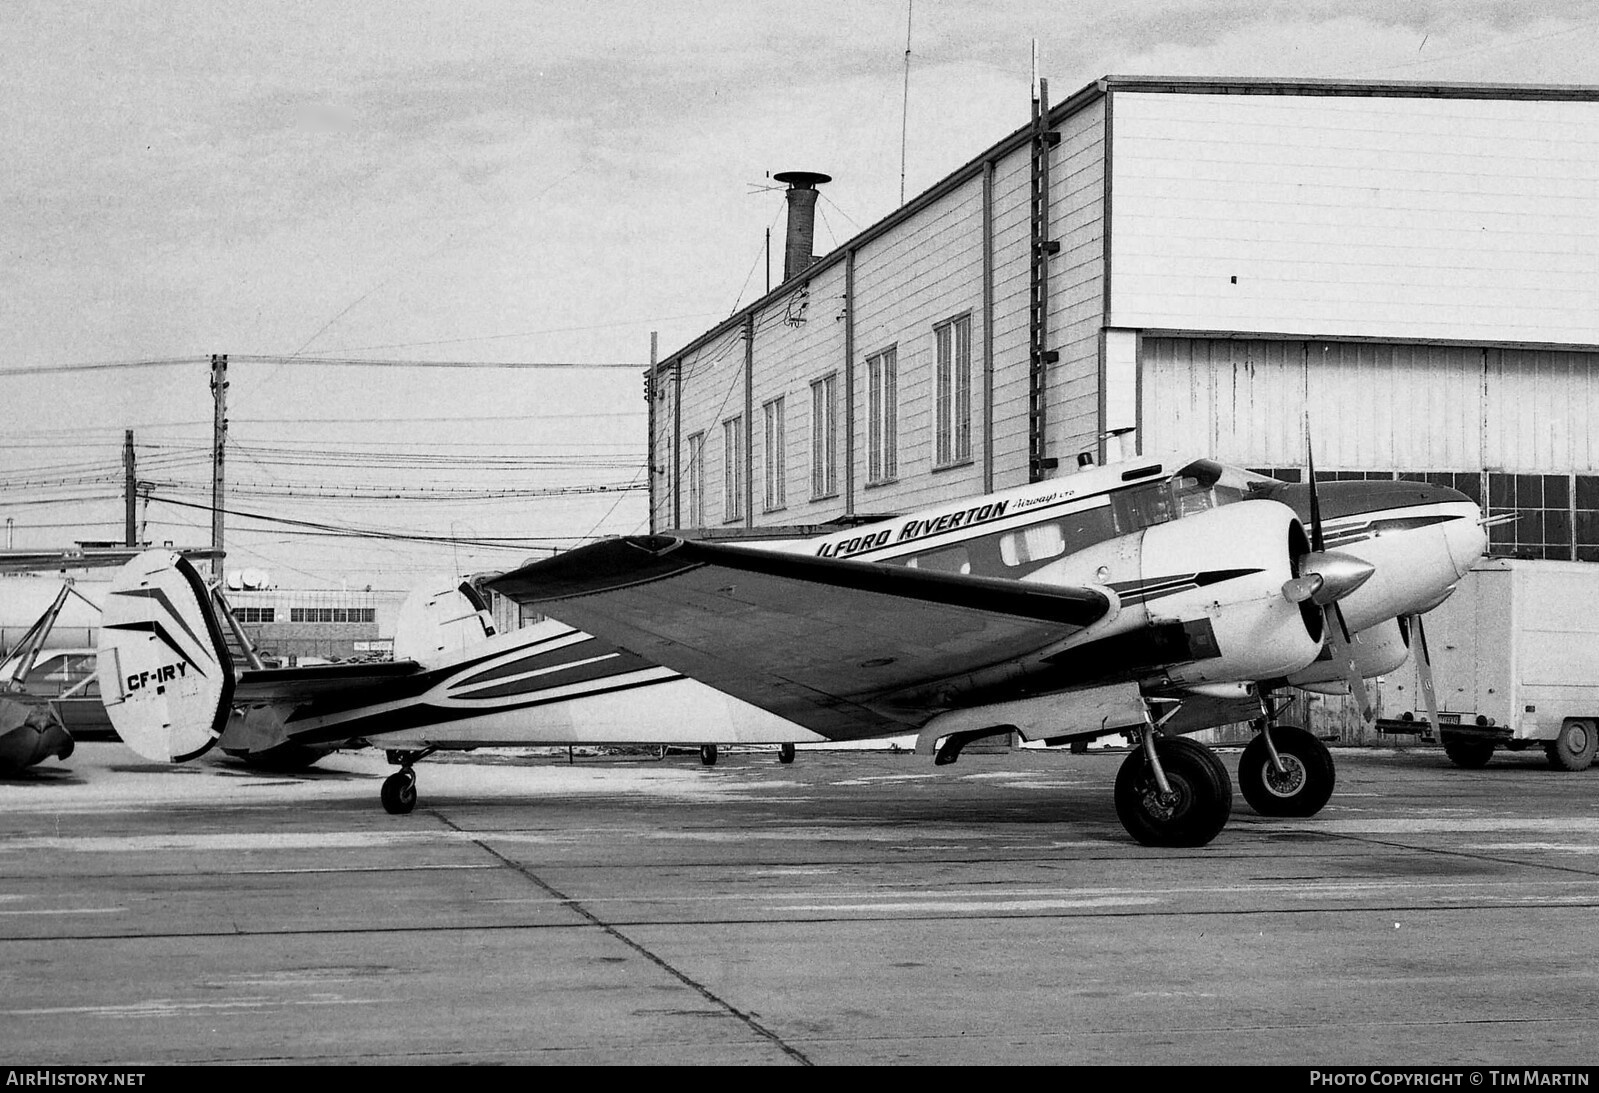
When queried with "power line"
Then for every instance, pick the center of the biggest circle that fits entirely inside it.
(335, 362)
(502, 541)
(369, 362)
(100, 366)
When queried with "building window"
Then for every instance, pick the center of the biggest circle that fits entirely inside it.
(331, 614)
(882, 413)
(733, 469)
(952, 391)
(1585, 517)
(1542, 504)
(774, 457)
(696, 481)
(255, 614)
(824, 436)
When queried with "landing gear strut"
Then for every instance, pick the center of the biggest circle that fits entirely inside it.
(399, 788)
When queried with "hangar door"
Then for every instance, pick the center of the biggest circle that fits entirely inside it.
(1371, 406)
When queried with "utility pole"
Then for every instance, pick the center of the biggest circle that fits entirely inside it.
(219, 439)
(652, 385)
(129, 530)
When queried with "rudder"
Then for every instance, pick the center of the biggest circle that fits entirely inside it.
(166, 676)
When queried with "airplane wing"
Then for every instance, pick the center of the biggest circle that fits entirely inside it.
(825, 643)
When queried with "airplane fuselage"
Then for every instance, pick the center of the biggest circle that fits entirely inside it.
(1195, 556)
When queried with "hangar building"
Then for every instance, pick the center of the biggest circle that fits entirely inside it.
(1180, 265)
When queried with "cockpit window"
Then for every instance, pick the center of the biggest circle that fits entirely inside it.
(1232, 483)
(1143, 507)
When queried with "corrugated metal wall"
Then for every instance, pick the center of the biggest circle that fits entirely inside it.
(1371, 406)
(1432, 218)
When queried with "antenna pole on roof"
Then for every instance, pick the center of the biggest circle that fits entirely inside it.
(905, 109)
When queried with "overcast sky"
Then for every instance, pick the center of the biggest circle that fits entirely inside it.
(506, 182)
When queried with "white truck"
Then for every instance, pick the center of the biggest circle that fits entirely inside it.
(1515, 661)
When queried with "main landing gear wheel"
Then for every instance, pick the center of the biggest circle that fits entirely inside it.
(399, 792)
(1468, 753)
(785, 753)
(708, 754)
(1193, 813)
(1574, 748)
(1304, 784)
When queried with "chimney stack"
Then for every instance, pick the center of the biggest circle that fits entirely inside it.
(801, 196)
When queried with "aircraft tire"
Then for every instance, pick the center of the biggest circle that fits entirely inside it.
(1200, 783)
(708, 754)
(1305, 786)
(1574, 748)
(399, 793)
(785, 753)
(1468, 753)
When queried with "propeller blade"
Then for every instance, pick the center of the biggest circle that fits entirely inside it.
(1341, 575)
(1341, 646)
(1303, 588)
(1318, 542)
(1418, 646)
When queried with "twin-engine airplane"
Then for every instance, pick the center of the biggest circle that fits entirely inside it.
(1151, 598)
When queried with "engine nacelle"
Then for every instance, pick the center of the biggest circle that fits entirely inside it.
(1201, 598)
(1378, 650)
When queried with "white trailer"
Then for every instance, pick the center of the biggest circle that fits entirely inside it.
(1515, 660)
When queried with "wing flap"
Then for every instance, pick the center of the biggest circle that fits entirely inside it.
(825, 643)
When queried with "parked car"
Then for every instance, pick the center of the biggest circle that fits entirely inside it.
(68, 672)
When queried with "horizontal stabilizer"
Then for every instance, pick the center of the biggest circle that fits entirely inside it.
(319, 681)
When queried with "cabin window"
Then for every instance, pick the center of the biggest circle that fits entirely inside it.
(1035, 544)
(1030, 547)
(955, 559)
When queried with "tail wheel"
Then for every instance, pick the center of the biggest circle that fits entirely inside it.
(1468, 753)
(1193, 813)
(1574, 748)
(785, 753)
(1301, 788)
(283, 759)
(708, 754)
(399, 792)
